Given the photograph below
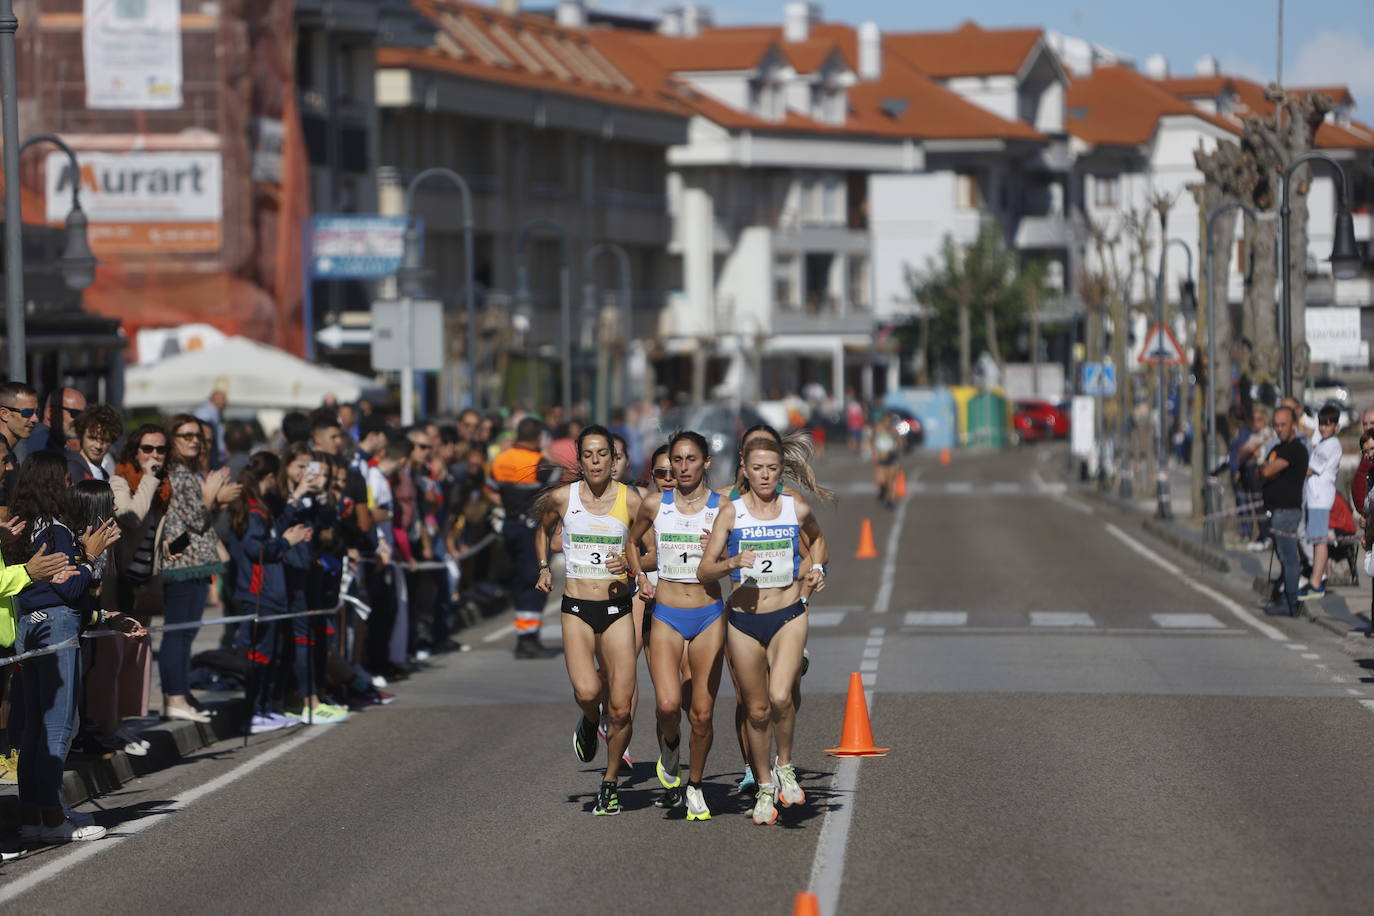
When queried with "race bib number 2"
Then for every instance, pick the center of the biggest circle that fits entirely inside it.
(772, 564)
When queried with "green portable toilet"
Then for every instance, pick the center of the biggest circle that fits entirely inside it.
(987, 421)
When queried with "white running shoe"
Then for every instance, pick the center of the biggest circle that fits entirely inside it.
(765, 812)
(696, 805)
(664, 779)
(69, 831)
(789, 792)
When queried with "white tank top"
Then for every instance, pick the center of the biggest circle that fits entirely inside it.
(677, 537)
(775, 543)
(589, 540)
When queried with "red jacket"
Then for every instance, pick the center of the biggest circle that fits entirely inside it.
(1359, 487)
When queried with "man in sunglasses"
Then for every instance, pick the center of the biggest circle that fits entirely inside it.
(18, 417)
(54, 432)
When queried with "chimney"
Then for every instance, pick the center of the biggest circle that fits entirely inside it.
(571, 14)
(510, 7)
(670, 21)
(1207, 65)
(797, 19)
(695, 17)
(1157, 67)
(870, 51)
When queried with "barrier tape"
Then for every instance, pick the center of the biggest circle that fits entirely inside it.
(346, 581)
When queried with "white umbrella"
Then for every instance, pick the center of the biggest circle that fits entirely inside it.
(251, 374)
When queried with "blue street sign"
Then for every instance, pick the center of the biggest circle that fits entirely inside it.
(349, 247)
(1099, 380)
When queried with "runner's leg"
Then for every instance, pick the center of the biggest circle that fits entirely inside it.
(579, 654)
(707, 661)
(665, 651)
(618, 649)
(750, 666)
(784, 665)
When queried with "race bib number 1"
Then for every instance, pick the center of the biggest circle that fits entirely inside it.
(679, 555)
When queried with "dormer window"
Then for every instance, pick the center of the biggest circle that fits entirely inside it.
(766, 99)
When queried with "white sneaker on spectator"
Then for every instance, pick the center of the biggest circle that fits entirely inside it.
(131, 738)
(69, 831)
(378, 681)
(422, 655)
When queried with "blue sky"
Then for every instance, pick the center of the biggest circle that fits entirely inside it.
(1325, 41)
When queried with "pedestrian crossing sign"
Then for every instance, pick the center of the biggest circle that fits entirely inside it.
(1099, 380)
(1162, 347)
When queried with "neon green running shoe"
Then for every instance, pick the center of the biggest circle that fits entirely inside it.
(607, 800)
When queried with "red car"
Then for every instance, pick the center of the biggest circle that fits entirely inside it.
(1036, 420)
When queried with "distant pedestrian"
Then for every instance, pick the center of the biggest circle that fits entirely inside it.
(1283, 473)
(1319, 494)
(212, 412)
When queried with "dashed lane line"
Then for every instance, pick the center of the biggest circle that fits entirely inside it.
(1239, 612)
(894, 535)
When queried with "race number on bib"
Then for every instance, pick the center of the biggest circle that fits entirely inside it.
(772, 564)
(679, 555)
(586, 554)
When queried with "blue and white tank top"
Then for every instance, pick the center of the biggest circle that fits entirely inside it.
(677, 537)
(775, 542)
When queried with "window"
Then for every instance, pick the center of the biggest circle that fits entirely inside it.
(1106, 191)
(967, 194)
(784, 281)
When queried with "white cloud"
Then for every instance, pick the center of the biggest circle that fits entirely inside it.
(1335, 59)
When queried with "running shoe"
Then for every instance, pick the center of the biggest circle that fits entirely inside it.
(607, 800)
(1311, 594)
(627, 759)
(789, 793)
(259, 724)
(671, 798)
(69, 831)
(765, 812)
(603, 727)
(584, 739)
(322, 715)
(668, 783)
(696, 805)
(746, 783)
(806, 663)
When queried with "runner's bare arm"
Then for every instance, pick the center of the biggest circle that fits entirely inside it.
(814, 578)
(558, 503)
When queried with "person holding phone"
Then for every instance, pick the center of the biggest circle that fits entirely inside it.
(189, 553)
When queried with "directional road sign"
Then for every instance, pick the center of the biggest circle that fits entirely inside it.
(335, 336)
(1161, 347)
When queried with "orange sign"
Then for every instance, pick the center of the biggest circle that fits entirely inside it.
(150, 238)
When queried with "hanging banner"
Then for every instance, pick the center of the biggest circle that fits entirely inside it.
(161, 201)
(1334, 335)
(132, 52)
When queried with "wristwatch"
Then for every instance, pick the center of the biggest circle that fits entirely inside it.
(805, 601)
(543, 564)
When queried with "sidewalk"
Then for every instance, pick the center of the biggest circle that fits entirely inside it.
(1345, 608)
(89, 776)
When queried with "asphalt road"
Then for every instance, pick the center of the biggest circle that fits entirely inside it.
(1075, 728)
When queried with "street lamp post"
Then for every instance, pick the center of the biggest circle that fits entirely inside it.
(564, 294)
(77, 263)
(1211, 495)
(1345, 256)
(622, 260)
(469, 290)
(1163, 507)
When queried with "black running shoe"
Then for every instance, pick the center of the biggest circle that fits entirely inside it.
(607, 800)
(671, 798)
(584, 740)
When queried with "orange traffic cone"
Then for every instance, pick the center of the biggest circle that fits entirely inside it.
(899, 488)
(867, 549)
(806, 904)
(945, 456)
(856, 740)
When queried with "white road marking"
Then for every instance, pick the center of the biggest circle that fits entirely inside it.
(1310, 655)
(826, 618)
(1187, 621)
(873, 651)
(874, 642)
(83, 851)
(894, 535)
(1244, 615)
(1354, 692)
(959, 486)
(1005, 487)
(875, 631)
(868, 664)
(1367, 704)
(1075, 505)
(935, 618)
(1296, 647)
(827, 867)
(1061, 619)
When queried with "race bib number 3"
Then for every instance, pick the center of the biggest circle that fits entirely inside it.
(679, 555)
(587, 554)
(772, 564)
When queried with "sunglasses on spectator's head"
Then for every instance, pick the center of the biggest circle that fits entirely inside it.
(25, 412)
(663, 473)
(153, 449)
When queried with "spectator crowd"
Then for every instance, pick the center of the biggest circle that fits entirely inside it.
(334, 556)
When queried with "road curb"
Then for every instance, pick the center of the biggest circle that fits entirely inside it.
(88, 777)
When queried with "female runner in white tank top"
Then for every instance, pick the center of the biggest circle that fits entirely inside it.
(596, 513)
(755, 539)
(686, 611)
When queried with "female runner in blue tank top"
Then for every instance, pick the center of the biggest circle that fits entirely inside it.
(755, 539)
(686, 612)
(596, 512)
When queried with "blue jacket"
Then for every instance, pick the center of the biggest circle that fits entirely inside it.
(76, 592)
(259, 573)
